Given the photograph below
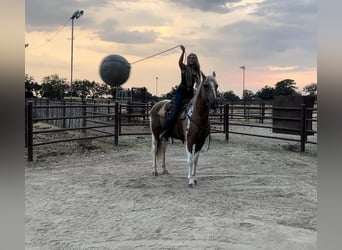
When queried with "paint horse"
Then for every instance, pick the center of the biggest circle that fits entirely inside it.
(192, 126)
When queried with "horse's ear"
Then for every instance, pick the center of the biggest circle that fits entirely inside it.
(203, 76)
(214, 74)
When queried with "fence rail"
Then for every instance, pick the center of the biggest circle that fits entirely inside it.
(99, 120)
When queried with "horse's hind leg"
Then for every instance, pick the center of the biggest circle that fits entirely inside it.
(164, 145)
(154, 153)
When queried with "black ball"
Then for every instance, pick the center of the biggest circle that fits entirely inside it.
(115, 70)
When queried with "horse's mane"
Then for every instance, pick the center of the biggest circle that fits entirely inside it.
(200, 89)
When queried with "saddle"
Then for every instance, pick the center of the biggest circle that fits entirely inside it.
(167, 109)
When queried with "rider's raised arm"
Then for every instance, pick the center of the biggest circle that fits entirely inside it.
(181, 58)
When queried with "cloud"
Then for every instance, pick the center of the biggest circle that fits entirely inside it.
(283, 10)
(132, 37)
(282, 68)
(47, 15)
(218, 6)
(274, 36)
(261, 34)
(111, 31)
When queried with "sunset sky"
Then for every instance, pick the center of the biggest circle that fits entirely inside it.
(274, 40)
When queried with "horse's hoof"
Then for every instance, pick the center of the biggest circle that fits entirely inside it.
(155, 173)
(191, 185)
(165, 172)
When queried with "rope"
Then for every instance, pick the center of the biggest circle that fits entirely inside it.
(52, 37)
(145, 58)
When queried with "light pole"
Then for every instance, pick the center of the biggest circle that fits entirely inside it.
(243, 81)
(157, 85)
(77, 14)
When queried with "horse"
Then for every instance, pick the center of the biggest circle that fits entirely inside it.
(192, 126)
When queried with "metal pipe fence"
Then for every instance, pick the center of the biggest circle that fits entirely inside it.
(99, 120)
(265, 117)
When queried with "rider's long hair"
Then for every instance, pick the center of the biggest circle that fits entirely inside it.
(195, 66)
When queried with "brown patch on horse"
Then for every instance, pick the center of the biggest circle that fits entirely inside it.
(198, 132)
(158, 113)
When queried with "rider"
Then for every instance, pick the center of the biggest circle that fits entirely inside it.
(190, 79)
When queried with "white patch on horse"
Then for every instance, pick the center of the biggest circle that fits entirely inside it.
(192, 160)
(188, 116)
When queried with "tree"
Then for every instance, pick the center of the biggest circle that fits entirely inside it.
(31, 87)
(85, 88)
(266, 93)
(311, 89)
(149, 96)
(54, 87)
(102, 89)
(170, 94)
(229, 96)
(285, 87)
(248, 95)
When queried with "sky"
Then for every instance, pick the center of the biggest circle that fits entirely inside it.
(274, 40)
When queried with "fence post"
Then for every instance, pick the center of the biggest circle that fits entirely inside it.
(108, 110)
(303, 136)
(48, 110)
(221, 112)
(262, 112)
(244, 108)
(119, 119)
(29, 131)
(26, 124)
(64, 114)
(231, 110)
(146, 111)
(248, 104)
(129, 111)
(84, 114)
(94, 109)
(116, 124)
(226, 122)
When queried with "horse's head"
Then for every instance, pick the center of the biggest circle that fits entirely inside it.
(210, 86)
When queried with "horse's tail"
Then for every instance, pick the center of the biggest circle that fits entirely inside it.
(157, 146)
(155, 126)
(159, 152)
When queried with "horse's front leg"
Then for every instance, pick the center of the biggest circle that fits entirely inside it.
(194, 168)
(190, 168)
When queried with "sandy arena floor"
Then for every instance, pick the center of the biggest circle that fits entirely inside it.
(252, 193)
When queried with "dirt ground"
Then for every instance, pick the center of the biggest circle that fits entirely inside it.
(252, 193)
